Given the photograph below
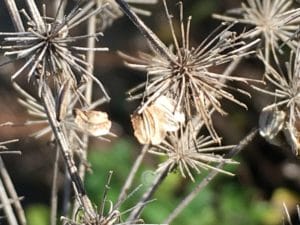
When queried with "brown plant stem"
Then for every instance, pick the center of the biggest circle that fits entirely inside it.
(14, 15)
(49, 105)
(134, 215)
(158, 45)
(187, 200)
(8, 210)
(12, 193)
(53, 211)
(91, 43)
(124, 191)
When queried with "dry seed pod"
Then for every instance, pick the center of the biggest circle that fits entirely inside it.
(63, 100)
(95, 123)
(169, 116)
(271, 122)
(151, 126)
(147, 128)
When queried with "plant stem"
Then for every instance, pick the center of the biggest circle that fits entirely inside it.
(53, 214)
(4, 199)
(14, 15)
(49, 105)
(130, 177)
(157, 44)
(148, 194)
(187, 200)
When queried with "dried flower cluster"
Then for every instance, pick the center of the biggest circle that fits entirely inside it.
(275, 21)
(185, 75)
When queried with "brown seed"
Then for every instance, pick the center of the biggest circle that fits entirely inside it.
(63, 100)
(96, 123)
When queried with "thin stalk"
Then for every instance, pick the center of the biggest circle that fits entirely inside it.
(187, 200)
(157, 44)
(91, 43)
(12, 193)
(14, 15)
(8, 210)
(49, 105)
(36, 16)
(148, 194)
(53, 214)
(130, 177)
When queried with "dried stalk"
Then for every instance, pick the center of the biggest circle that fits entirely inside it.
(130, 177)
(187, 200)
(9, 213)
(53, 214)
(49, 105)
(12, 193)
(91, 43)
(134, 215)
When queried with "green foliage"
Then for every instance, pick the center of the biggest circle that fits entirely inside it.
(38, 214)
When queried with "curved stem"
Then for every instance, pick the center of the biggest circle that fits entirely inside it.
(130, 177)
(148, 194)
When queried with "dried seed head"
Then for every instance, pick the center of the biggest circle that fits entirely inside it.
(91, 122)
(48, 49)
(187, 153)
(184, 73)
(95, 123)
(274, 20)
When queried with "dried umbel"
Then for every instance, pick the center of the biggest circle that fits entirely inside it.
(286, 97)
(274, 20)
(188, 153)
(48, 49)
(184, 73)
(152, 123)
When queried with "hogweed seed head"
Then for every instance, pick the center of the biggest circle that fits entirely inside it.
(184, 73)
(48, 49)
(273, 20)
(187, 153)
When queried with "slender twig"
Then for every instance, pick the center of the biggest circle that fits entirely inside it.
(187, 200)
(14, 15)
(158, 45)
(12, 193)
(49, 105)
(53, 214)
(130, 177)
(91, 43)
(134, 215)
(9, 213)
(36, 16)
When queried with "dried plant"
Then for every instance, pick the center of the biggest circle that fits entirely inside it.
(185, 85)
(186, 153)
(185, 73)
(112, 12)
(48, 48)
(285, 109)
(273, 20)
